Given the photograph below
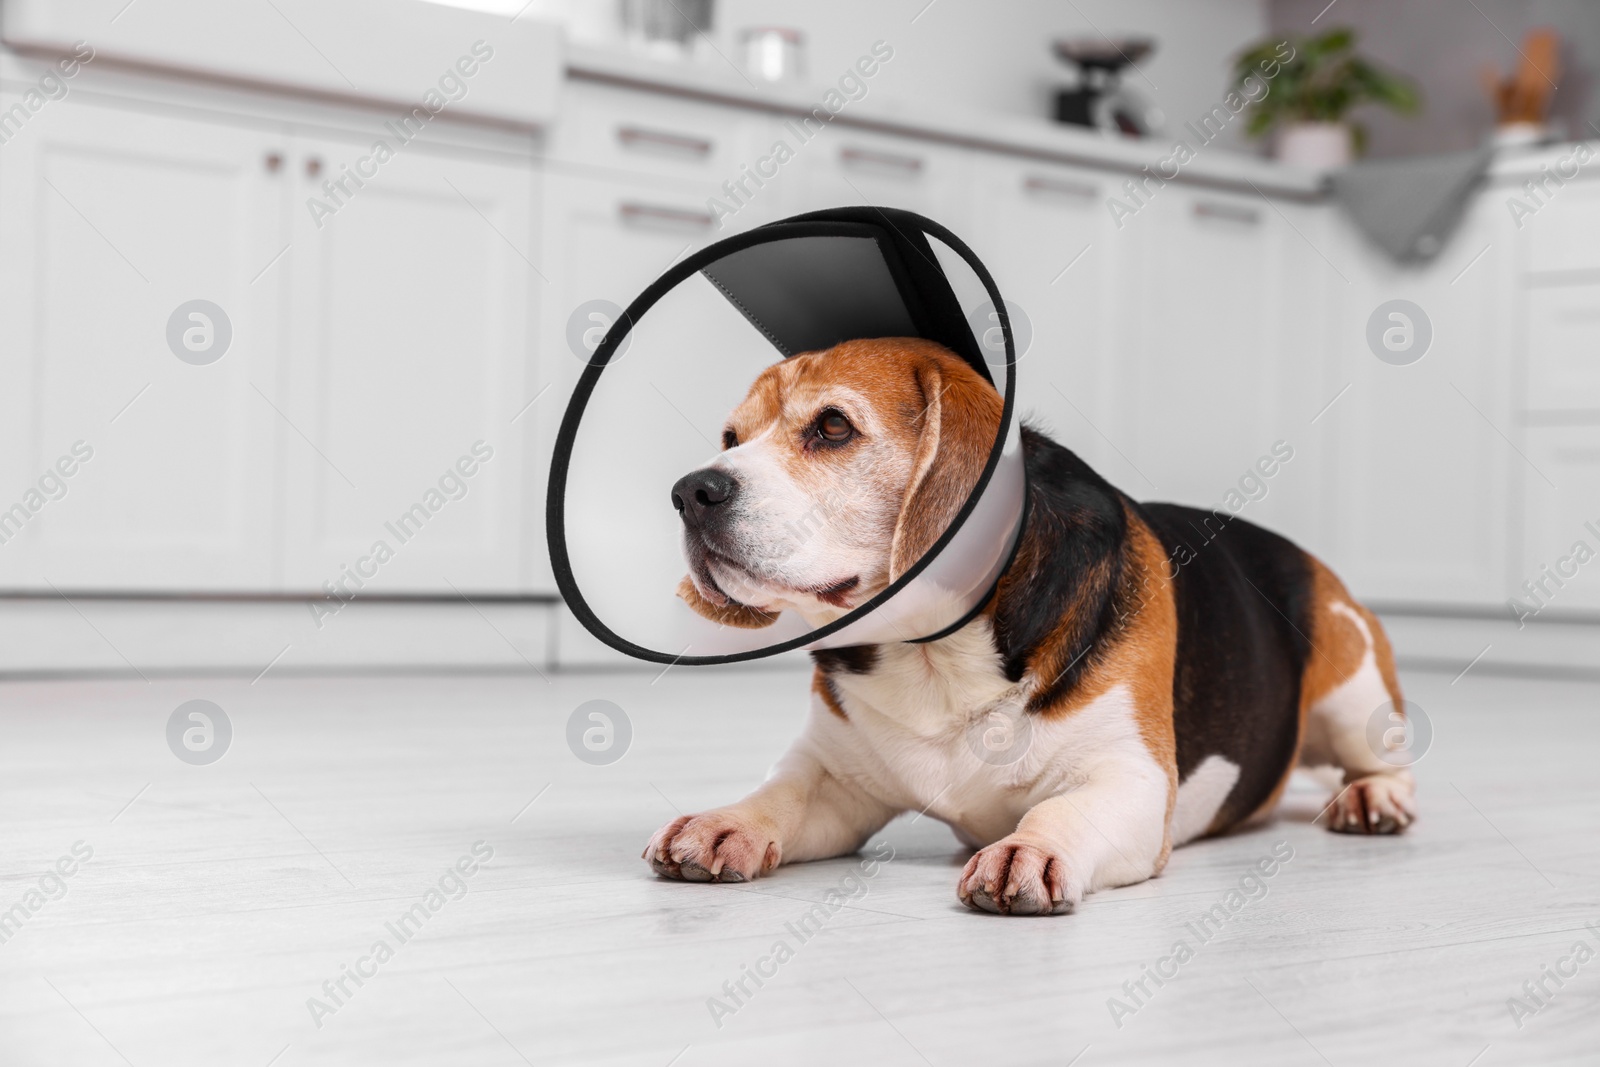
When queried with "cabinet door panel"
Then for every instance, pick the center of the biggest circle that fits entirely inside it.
(708, 357)
(1564, 348)
(1558, 518)
(1045, 235)
(1201, 384)
(1559, 236)
(412, 335)
(110, 220)
(852, 168)
(1425, 464)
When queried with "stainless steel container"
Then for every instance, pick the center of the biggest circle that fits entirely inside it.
(773, 53)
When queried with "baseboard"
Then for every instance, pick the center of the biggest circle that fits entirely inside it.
(578, 649)
(1494, 644)
(135, 637)
(250, 638)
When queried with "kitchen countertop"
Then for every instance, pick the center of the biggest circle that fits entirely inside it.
(1517, 165)
(387, 53)
(1019, 135)
(1036, 138)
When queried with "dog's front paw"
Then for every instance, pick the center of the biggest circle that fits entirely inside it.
(1019, 876)
(717, 846)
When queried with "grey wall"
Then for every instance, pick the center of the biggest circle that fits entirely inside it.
(1445, 46)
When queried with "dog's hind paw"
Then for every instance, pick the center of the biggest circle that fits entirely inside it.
(1376, 804)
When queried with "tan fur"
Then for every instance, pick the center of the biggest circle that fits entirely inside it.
(960, 414)
(824, 691)
(741, 615)
(1143, 656)
(924, 422)
(1061, 650)
(889, 375)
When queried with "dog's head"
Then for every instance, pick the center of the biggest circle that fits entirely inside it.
(838, 471)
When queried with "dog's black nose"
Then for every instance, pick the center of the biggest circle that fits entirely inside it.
(698, 493)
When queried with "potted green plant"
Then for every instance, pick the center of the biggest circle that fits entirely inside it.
(1307, 96)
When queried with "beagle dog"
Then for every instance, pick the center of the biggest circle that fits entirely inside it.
(1167, 666)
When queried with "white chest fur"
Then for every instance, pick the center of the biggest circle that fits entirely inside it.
(918, 725)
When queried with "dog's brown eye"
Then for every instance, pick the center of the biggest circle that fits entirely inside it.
(833, 426)
(730, 439)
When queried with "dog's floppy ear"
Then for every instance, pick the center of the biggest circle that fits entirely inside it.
(732, 615)
(956, 431)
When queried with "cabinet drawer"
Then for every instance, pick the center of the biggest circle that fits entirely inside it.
(1564, 348)
(1563, 575)
(662, 136)
(1561, 235)
(852, 167)
(1044, 187)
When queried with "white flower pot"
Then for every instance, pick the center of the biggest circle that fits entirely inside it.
(1520, 134)
(1316, 145)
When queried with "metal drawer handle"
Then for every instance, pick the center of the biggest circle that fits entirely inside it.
(866, 157)
(639, 137)
(633, 212)
(1060, 187)
(1210, 209)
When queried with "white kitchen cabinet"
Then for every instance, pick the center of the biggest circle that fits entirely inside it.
(629, 181)
(660, 409)
(607, 240)
(1563, 348)
(1424, 452)
(110, 219)
(371, 350)
(410, 362)
(1201, 376)
(681, 142)
(629, 188)
(1557, 518)
(848, 167)
(1559, 236)
(377, 347)
(1045, 234)
(388, 51)
(675, 161)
